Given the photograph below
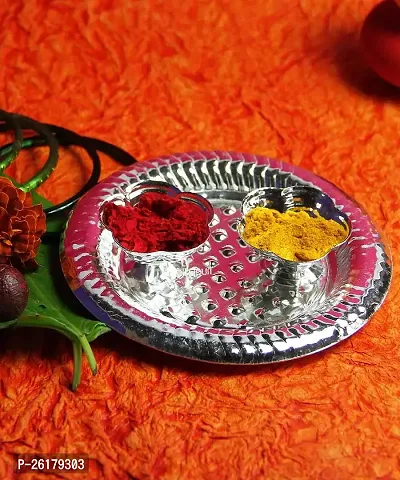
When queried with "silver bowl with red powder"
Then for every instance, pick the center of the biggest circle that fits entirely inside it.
(158, 274)
(133, 196)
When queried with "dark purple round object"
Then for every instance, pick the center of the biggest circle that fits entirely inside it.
(14, 293)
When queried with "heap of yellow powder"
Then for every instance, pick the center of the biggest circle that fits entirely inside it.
(293, 235)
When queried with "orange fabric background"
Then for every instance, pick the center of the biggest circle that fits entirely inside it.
(276, 77)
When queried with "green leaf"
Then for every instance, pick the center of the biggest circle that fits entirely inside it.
(52, 304)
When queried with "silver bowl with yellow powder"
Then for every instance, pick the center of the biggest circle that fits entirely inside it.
(294, 230)
(294, 225)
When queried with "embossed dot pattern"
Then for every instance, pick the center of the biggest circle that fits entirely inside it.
(218, 323)
(210, 262)
(204, 248)
(219, 277)
(219, 235)
(233, 225)
(209, 306)
(214, 221)
(201, 288)
(228, 252)
(236, 267)
(227, 293)
(236, 310)
(252, 257)
(224, 269)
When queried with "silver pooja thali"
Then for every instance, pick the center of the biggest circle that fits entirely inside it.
(225, 302)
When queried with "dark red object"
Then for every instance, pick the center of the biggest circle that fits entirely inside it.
(380, 41)
(157, 223)
(14, 293)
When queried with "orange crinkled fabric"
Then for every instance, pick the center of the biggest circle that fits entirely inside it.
(273, 77)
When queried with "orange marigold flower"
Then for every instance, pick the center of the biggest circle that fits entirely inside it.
(21, 226)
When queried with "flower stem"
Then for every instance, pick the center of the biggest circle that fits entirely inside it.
(79, 342)
(7, 324)
(89, 353)
(77, 349)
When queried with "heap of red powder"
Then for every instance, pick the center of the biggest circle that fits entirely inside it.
(157, 223)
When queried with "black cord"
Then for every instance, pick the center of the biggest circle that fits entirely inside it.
(11, 123)
(112, 151)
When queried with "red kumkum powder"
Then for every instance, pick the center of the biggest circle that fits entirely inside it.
(157, 222)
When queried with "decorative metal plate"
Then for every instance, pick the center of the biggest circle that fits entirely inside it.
(231, 306)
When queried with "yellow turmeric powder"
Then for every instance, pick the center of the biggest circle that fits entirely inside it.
(293, 235)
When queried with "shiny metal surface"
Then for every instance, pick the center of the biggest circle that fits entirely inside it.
(227, 303)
